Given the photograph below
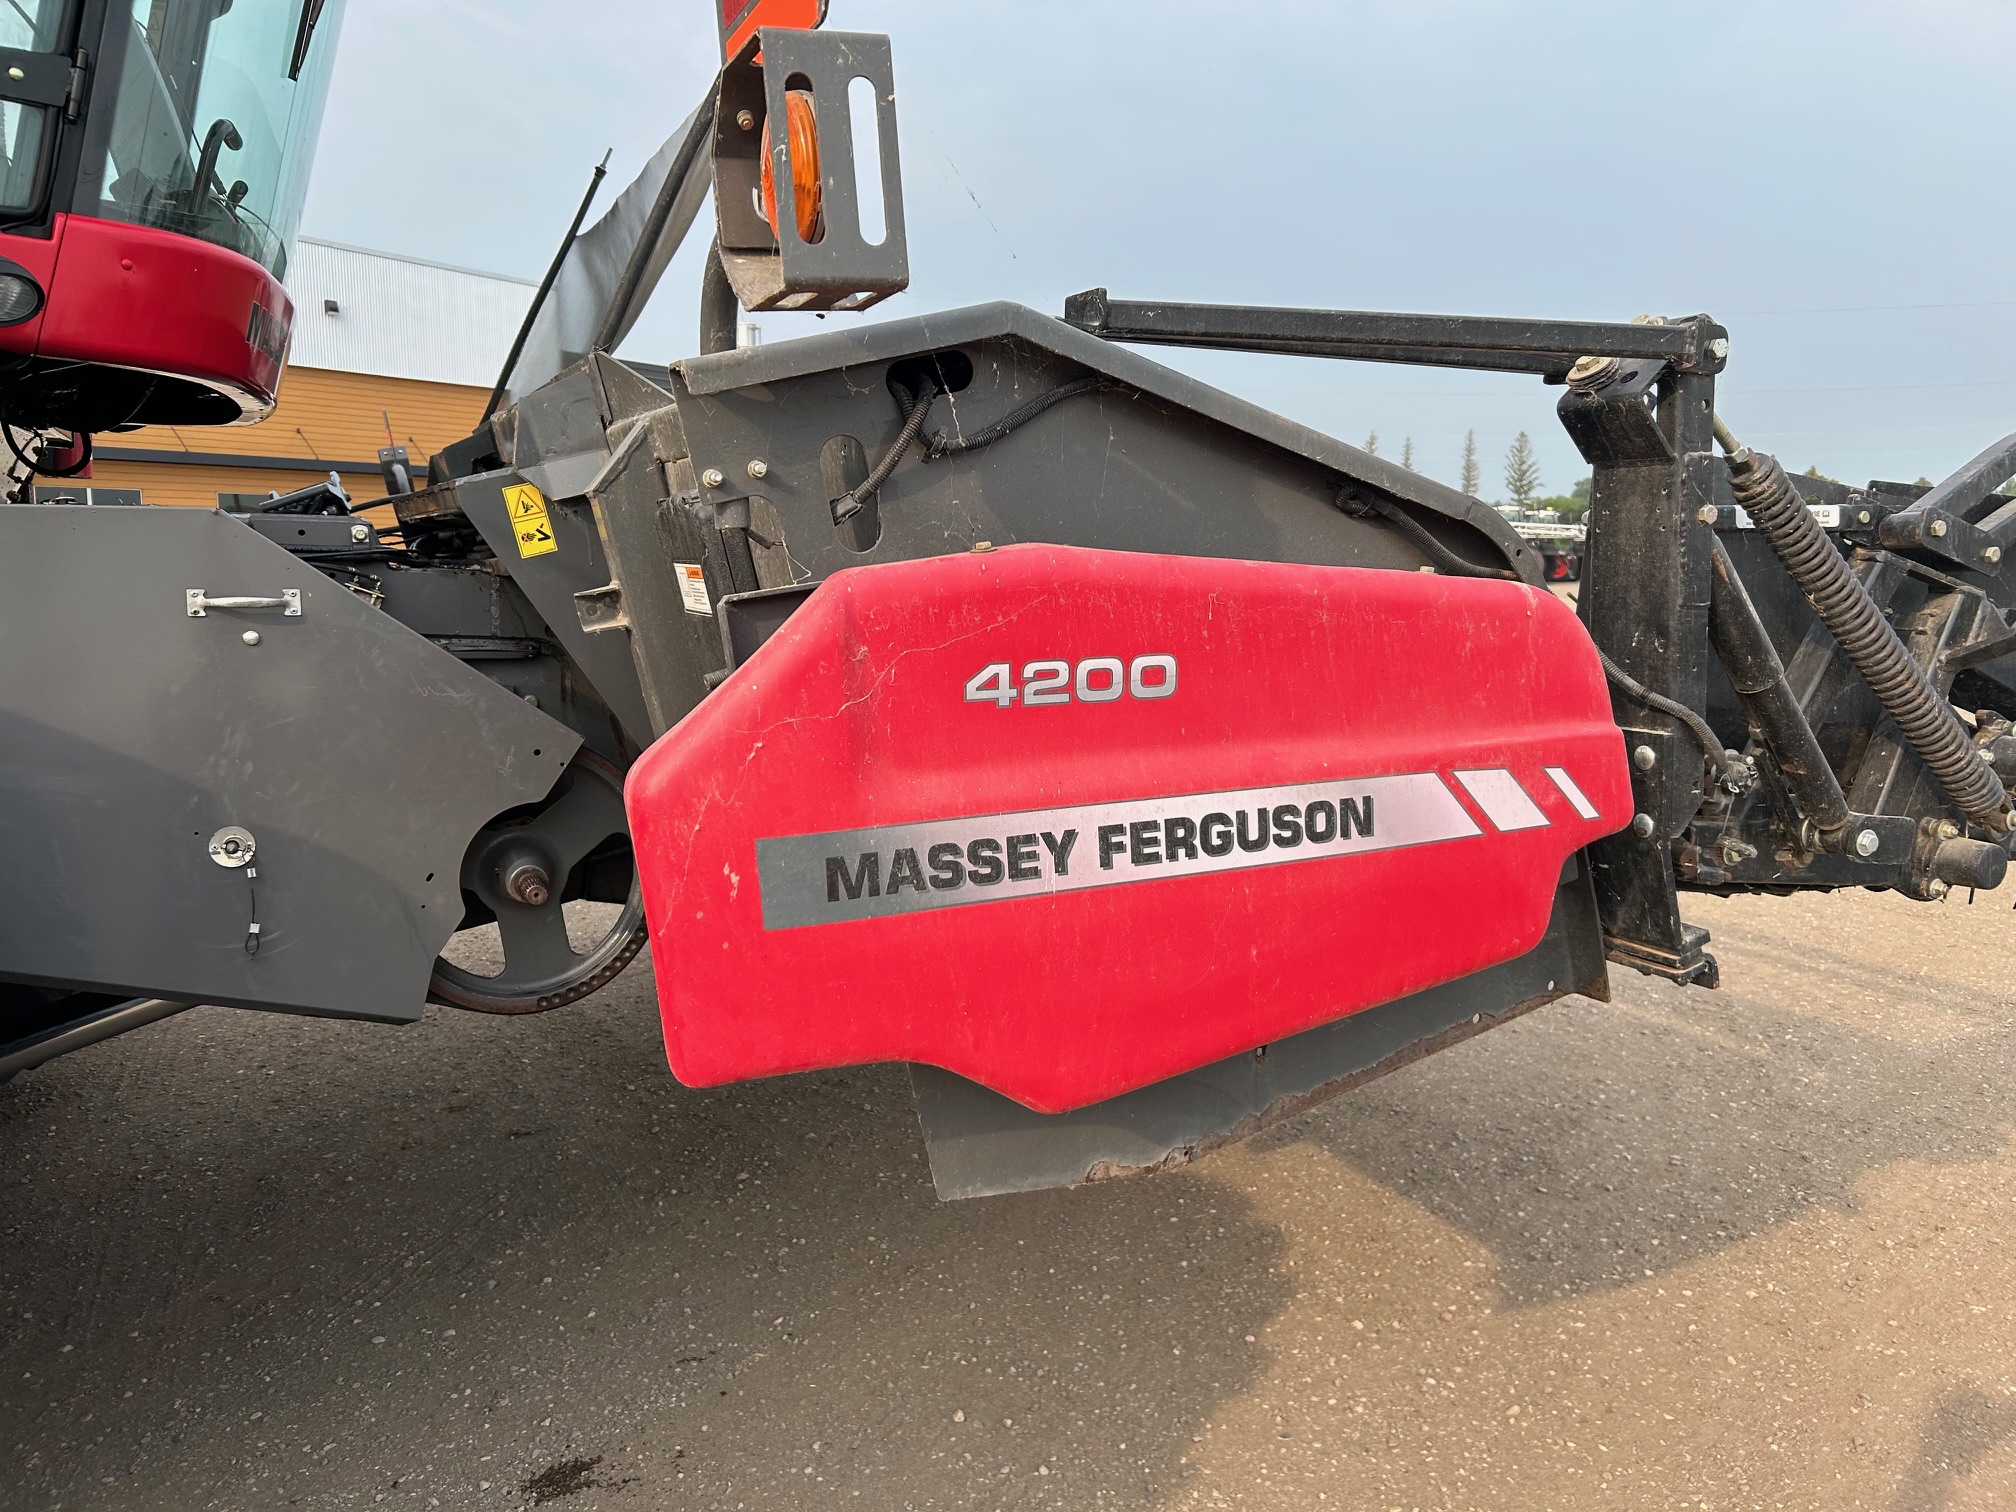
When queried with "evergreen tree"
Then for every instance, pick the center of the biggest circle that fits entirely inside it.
(1472, 478)
(1372, 443)
(1522, 472)
(1407, 453)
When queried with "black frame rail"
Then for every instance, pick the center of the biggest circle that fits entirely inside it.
(1549, 348)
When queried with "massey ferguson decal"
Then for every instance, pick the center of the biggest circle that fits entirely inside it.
(1066, 822)
(859, 874)
(266, 333)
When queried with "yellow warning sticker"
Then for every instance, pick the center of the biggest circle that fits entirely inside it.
(529, 521)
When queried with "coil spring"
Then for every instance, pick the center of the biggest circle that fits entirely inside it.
(1844, 606)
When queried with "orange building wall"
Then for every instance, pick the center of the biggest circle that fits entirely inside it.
(341, 417)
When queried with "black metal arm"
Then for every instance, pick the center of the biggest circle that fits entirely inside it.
(1549, 348)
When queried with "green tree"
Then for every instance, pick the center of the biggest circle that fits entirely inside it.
(1814, 472)
(1572, 505)
(1522, 472)
(1472, 478)
(1407, 453)
(1372, 443)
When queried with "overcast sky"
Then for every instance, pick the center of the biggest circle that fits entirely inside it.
(1831, 180)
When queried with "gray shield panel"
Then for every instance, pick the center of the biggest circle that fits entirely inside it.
(359, 758)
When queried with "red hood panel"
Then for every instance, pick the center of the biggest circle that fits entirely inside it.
(1067, 822)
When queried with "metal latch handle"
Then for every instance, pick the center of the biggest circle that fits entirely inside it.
(288, 602)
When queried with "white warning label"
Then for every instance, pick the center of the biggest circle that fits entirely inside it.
(693, 588)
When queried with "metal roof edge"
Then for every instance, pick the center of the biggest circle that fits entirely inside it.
(418, 262)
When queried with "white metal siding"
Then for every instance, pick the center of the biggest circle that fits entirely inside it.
(399, 317)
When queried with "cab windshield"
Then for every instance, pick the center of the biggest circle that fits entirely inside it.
(30, 26)
(218, 105)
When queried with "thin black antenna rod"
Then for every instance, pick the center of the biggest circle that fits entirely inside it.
(546, 287)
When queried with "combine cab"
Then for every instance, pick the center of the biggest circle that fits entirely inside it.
(158, 159)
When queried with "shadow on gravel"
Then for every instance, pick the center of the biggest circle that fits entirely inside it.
(1591, 1146)
(1965, 1428)
(261, 1261)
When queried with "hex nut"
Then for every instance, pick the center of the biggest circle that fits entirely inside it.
(758, 467)
(1644, 758)
(1993, 555)
(1937, 528)
(712, 477)
(360, 531)
(1707, 514)
(1936, 889)
(1719, 348)
(746, 119)
(1867, 842)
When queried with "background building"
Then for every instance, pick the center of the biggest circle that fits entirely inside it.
(386, 351)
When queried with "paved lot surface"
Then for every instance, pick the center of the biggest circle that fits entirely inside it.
(1754, 1248)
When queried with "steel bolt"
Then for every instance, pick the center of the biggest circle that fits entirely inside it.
(1590, 374)
(250, 637)
(528, 883)
(746, 119)
(1865, 517)
(712, 477)
(1937, 528)
(1935, 889)
(360, 531)
(758, 467)
(1644, 758)
(1719, 348)
(1642, 826)
(1866, 842)
(1707, 514)
(1948, 830)
(1993, 555)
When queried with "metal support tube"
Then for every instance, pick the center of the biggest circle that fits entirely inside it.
(1758, 676)
(87, 1031)
(1549, 347)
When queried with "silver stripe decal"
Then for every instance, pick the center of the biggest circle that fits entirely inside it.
(947, 863)
(1505, 803)
(1572, 793)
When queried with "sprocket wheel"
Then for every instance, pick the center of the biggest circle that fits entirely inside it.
(520, 871)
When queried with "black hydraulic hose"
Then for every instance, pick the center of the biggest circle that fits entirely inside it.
(720, 313)
(918, 406)
(1734, 774)
(1353, 502)
(1845, 607)
(942, 445)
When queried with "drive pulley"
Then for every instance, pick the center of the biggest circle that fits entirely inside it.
(521, 873)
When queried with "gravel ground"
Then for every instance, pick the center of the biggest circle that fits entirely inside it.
(1751, 1248)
